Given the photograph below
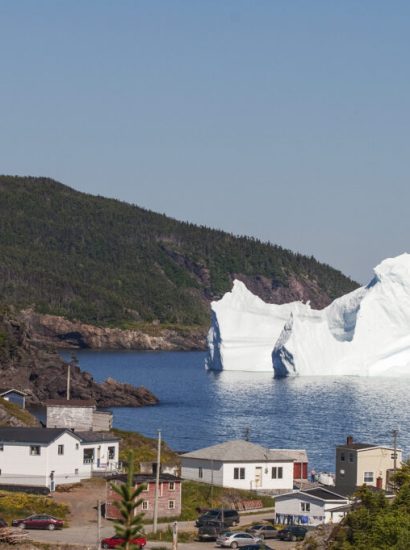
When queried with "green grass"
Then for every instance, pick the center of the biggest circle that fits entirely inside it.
(21, 414)
(144, 449)
(166, 536)
(20, 505)
(201, 495)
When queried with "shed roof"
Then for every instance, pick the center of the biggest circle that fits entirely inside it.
(70, 403)
(4, 391)
(316, 492)
(239, 451)
(298, 455)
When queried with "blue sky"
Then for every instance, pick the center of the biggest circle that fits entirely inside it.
(285, 120)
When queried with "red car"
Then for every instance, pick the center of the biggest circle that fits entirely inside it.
(115, 541)
(39, 521)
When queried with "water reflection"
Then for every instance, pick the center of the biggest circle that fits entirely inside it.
(200, 407)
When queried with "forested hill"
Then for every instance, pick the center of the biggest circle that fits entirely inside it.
(106, 262)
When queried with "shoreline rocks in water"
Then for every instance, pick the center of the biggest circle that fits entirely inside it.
(37, 369)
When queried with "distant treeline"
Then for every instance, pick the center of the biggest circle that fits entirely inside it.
(107, 262)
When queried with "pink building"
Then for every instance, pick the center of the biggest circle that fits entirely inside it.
(169, 498)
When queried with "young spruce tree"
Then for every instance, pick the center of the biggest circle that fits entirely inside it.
(130, 525)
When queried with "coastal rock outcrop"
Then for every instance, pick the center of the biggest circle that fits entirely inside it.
(364, 333)
(51, 329)
(38, 370)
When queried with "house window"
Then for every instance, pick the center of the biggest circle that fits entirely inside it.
(239, 473)
(342, 457)
(76, 471)
(342, 473)
(171, 505)
(77, 446)
(277, 472)
(351, 457)
(145, 505)
(88, 456)
(305, 506)
(1, 447)
(35, 450)
(61, 449)
(200, 473)
(145, 487)
(171, 486)
(111, 453)
(368, 477)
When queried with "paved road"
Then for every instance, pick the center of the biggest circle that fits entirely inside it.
(86, 535)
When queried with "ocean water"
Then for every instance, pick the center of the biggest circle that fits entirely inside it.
(200, 408)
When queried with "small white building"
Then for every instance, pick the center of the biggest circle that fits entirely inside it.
(77, 414)
(310, 507)
(12, 395)
(48, 457)
(241, 465)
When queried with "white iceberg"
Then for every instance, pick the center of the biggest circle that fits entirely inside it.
(364, 333)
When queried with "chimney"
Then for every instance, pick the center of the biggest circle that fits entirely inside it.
(349, 440)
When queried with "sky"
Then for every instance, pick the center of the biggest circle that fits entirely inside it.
(286, 120)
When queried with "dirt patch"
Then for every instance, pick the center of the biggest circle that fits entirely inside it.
(82, 501)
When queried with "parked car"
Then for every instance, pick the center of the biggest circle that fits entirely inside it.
(260, 546)
(293, 532)
(40, 521)
(115, 541)
(263, 531)
(3, 523)
(233, 540)
(229, 517)
(211, 530)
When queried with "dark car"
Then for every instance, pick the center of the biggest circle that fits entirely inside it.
(263, 531)
(115, 541)
(40, 521)
(211, 529)
(260, 546)
(229, 517)
(293, 532)
(3, 523)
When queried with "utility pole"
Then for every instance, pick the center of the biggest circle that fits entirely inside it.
(395, 432)
(68, 381)
(175, 536)
(157, 482)
(99, 525)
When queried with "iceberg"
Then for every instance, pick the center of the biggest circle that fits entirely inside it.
(364, 333)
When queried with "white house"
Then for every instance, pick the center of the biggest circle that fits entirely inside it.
(241, 465)
(48, 457)
(310, 507)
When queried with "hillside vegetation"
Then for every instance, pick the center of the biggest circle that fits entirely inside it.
(106, 262)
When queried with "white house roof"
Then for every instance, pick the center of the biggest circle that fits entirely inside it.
(239, 451)
(42, 436)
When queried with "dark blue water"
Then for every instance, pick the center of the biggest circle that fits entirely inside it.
(200, 408)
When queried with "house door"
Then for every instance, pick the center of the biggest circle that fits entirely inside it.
(258, 476)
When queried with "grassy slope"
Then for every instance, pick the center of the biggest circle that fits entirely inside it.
(10, 412)
(107, 262)
(20, 505)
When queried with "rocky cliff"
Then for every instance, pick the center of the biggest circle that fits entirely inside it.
(51, 329)
(38, 370)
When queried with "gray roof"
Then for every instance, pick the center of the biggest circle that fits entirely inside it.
(316, 492)
(70, 403)
(298, 455)
(4, 391)
(95, 437)
(38, 436)
(239, 450)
